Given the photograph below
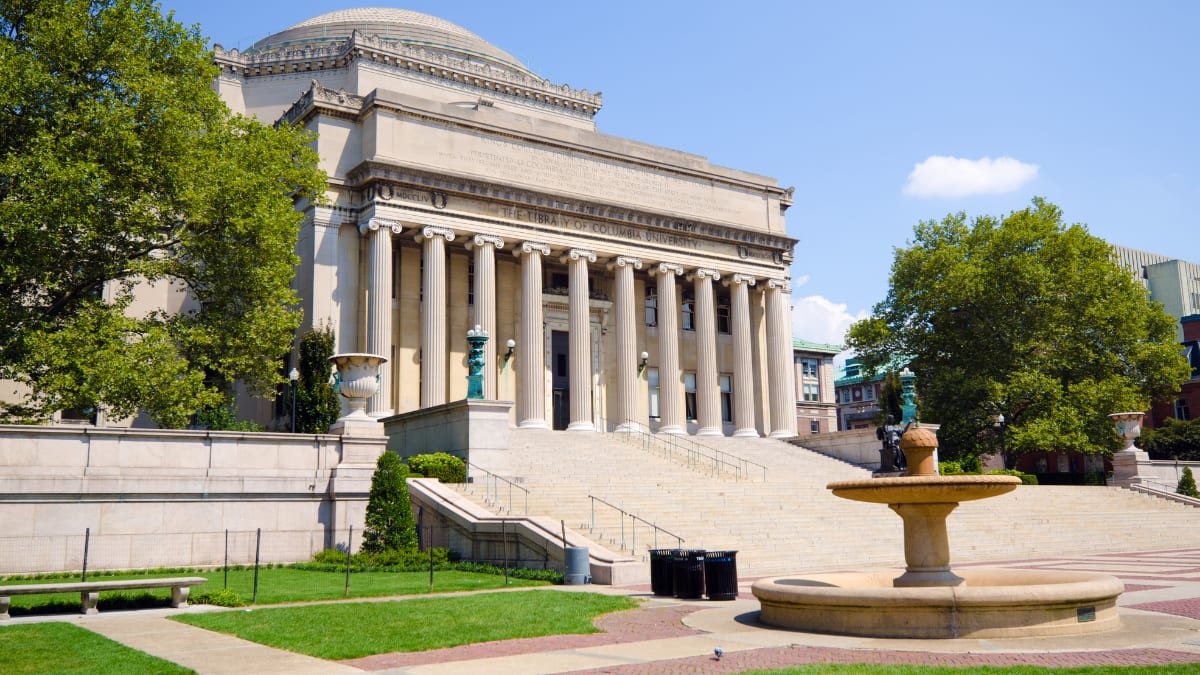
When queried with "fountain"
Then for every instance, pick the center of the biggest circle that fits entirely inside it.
(929, 600)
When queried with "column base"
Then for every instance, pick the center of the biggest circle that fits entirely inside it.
(626, 429)
(581, 426)
(746, 433)
(784, 433)
(533, 424)
(710, 431)
(673, 429)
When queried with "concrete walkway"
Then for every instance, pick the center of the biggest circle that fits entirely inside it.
(1160, 613)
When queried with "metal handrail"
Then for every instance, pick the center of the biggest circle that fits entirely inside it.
(696, 453)
(1155, 491)
(632, 526)
(491, 490)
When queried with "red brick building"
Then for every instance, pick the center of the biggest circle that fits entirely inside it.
(1187, 404)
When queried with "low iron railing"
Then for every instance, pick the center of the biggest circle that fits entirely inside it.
(695, 455)
(633, 521)
(491, 490)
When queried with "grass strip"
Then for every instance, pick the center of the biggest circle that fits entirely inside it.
(275, 585)
(353, 630)
(65, 648)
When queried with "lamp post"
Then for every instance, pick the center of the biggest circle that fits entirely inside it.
(294, 376)
(1002, 425)
(477, 337)
(908, 396)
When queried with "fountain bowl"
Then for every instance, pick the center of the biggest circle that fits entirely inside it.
(990, 603)
(924, 489)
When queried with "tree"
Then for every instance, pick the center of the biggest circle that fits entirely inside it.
(890, 402)
(1175, 439)
(122, 171)
(1187, 484)
(317, 405)
(389, 524)
(1027, 317)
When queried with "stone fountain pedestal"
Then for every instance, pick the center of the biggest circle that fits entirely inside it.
(929, 600)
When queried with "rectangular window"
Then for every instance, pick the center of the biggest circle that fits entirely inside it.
(471, 283)
(652, 382)
(869, 392)
(814, 426)
(808, 367)
(726, 398)
(845, 396)
(395, 273)
(689, 314)
(723, 316)
(812, 392)
(651, 306)
(689, 396)
(1181, 410)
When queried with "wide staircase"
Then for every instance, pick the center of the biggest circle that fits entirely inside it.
(635, 492)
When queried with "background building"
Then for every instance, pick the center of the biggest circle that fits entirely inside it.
(816, 400)
(1174, 283)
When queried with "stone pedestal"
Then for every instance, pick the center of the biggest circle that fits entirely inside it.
(475, 430)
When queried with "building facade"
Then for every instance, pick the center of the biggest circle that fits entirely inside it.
(816, 399)
(620, 283)
(1186, 405)
(1174, 283)
(857, 396)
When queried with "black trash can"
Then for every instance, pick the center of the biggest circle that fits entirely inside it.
(720, 575)
(688, 568)
(662, 581)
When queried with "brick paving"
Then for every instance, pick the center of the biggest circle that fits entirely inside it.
(1189, 607)
(793, 656)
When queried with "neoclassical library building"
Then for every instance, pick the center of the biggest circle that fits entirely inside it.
(620, 283)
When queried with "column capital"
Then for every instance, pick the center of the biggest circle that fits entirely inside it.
(781, 284)
(623, 261)
(704, 273)
(431, 231)
(485, 240)
(667, 268)
(530, 247)
(739, 278)
(376, 223)
(578, 254)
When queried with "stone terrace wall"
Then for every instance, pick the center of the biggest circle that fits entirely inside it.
(156, 498)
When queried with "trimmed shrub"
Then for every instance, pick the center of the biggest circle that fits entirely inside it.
(444, 467)
(1187, 484)
(389, 523)
(220, 598)
(950, 468)
(1026, 478)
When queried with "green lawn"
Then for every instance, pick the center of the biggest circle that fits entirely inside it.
(875, 669)
(352, 630)
(64, 648)
(274, 586)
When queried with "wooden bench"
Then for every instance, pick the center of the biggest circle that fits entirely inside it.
(89, 591)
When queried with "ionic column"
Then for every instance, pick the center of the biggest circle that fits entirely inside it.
(580, 335)
(627, 375)
(670, 399)
(379, 306)
(743, 377)
(485, 303)
(433, 315)
(708, 388)
(531, 371)
(781, 377)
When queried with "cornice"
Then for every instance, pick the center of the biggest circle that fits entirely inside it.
(430, 63)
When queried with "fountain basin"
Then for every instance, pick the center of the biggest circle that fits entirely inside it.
(990, 603)
(924, 489)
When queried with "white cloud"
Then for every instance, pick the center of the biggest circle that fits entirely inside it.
(941, 176)
(817, 319)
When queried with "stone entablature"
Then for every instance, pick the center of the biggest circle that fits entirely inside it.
(423, 62)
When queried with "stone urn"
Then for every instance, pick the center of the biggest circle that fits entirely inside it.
(1129, 426)
(1127, 462)
(357, 381)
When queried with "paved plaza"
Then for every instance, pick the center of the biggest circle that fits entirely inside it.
(1160, 613)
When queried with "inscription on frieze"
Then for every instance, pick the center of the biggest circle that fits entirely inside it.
(678, 235)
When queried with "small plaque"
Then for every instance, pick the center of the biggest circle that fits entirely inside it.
(1085, 614)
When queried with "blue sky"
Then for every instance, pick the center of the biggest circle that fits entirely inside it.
(881, 114)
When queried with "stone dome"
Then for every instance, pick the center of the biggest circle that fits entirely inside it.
(393, 25)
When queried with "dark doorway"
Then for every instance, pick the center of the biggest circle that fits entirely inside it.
(560, 379)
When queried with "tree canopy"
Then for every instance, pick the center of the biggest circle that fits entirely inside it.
(121, 170)
(1027, 317)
